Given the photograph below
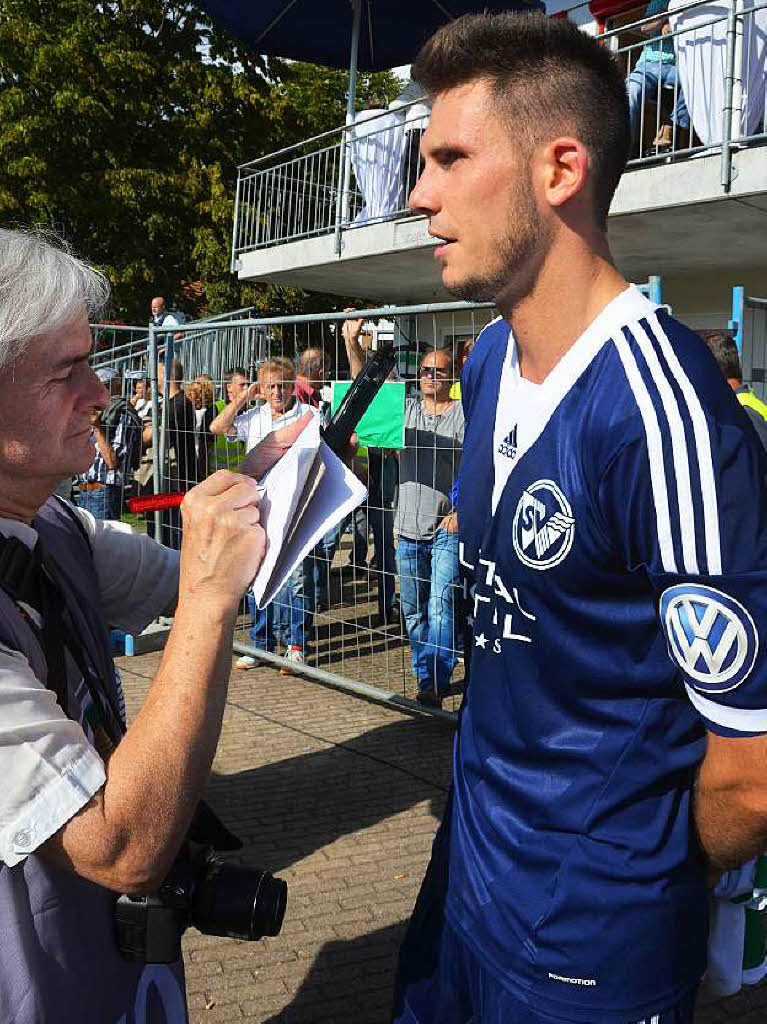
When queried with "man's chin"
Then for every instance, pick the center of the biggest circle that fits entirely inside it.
(469, 289)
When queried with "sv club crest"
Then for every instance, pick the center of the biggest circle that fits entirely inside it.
(710, 636)
(544, 526)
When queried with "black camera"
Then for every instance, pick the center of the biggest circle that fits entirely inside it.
(217, 897)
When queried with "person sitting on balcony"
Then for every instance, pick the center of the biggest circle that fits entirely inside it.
(656, 68)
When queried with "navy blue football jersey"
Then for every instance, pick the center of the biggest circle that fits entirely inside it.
(612, 533)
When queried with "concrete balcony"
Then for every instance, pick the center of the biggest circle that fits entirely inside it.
(330, 214)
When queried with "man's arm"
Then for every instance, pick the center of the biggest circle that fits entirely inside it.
(351, 331)
(223, 424)
(731, 800)
(127, 835)
(105, 449)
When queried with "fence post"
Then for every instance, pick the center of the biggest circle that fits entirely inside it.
(236, 225)
(729, 84)
(738, 314)
(152, 353)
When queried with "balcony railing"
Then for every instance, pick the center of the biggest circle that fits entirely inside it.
(697, 88)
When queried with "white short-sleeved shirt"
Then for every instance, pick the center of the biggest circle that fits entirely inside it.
(48, 767)
(252, 426)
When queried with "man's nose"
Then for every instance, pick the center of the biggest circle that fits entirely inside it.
(421, 199)
(96, 395)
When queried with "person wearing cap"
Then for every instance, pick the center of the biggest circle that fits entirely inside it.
(117, 433)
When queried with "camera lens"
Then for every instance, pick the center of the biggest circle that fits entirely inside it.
(239, 902)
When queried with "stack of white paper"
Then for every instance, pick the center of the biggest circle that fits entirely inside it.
(305, 494)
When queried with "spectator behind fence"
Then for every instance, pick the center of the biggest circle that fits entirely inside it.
(227, 451)
(141, 400)
(426, 525)
(160, 315)
(313, 388)
(284, 619)
(656, 69)
(83, 818)
(180, 470)
(315, 370)
(377, 513)
(117, 432)
(202, 395)
(725, 351)
(465, 352)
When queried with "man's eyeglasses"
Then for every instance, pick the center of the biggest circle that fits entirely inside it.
(432, 371)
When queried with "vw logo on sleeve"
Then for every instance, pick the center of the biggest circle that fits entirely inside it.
(543, 526)
(710, 636)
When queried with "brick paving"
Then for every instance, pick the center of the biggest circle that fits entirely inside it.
(341, 798)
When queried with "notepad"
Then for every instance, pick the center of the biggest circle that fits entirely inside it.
(304, 495)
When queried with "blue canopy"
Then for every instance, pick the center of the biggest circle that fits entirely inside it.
(390, 32)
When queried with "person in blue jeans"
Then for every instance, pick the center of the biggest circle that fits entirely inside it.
(656, 68)
(428, 572)
(283, 620)
(426, 524)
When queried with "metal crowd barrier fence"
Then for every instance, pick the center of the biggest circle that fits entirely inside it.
(369, 594)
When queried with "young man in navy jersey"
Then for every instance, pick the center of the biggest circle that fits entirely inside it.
(610, 759)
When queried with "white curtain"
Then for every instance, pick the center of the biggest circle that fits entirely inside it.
(701, 59)
(377, 143)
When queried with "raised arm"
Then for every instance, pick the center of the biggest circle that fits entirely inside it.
(351, 331)
(127, 835)
(223, 424)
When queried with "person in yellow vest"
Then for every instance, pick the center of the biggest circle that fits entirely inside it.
(725, 351)
(455, 390)
(229, 453)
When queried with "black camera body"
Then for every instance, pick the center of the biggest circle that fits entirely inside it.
(217, 897)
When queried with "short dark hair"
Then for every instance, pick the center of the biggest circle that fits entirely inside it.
(550, 78)
(725, 351)
(235, 369)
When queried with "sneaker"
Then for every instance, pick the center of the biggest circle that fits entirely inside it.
(245, 662)
(296, 656)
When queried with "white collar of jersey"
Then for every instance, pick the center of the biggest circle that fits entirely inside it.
(523, 412)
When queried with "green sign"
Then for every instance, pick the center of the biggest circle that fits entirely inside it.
(383, 425)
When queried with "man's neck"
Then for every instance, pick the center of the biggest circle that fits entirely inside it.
(174, 388)
(436, 405)
(575, 284)
(22, 502)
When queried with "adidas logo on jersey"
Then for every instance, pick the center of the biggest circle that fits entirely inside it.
(508, 446)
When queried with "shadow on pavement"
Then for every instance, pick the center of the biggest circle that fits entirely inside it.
(350, 982)
(287, 810)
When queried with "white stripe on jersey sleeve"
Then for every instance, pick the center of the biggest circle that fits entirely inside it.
(737, 719)
(703, 448)
(678, 447)
(655, 451)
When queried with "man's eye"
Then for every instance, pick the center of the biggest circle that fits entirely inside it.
(62, 380)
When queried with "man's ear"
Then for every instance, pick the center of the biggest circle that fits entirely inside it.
(563, 169)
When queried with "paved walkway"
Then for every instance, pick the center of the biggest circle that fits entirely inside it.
(341, 798)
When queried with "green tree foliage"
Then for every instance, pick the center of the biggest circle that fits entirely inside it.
(121, 127)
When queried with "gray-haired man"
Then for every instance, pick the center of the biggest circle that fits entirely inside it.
(81, 817)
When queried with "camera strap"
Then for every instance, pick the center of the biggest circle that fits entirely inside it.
(31, 579)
